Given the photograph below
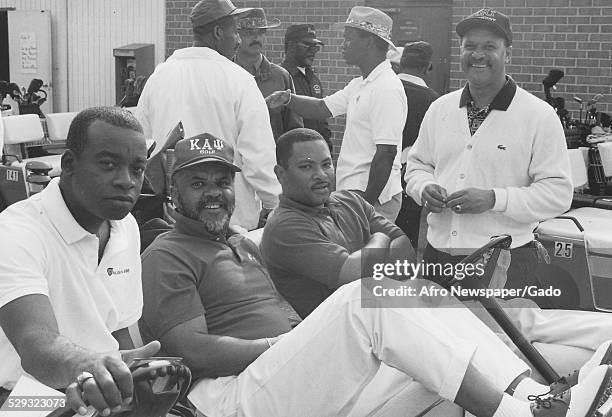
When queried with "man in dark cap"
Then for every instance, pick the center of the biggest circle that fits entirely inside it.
(502, 174)
(301, 47)
(268, 76)
(491, 159)
(201, 87)
(415, 63)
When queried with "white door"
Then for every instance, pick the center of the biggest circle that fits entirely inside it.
(30, 50)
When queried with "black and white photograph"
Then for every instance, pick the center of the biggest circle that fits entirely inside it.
(306, 208)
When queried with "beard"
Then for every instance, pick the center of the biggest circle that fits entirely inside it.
(214, 223)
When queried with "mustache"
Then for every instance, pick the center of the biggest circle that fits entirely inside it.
(255, 43)
(221, 201)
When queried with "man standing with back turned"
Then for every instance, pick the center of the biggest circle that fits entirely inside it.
(414, 64)
(201, 87)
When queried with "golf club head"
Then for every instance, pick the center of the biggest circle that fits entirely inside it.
(553, 77)
(577, 99)
(14, 91)
(35, 85)
(594, 100)
(155, 171)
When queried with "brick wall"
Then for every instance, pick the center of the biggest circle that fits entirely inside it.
(324, 14)
(572, 35)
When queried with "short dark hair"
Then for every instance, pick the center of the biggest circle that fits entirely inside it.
(287, 42)
(413, 61)
(204, 30)
(77, 138)
(284, 144)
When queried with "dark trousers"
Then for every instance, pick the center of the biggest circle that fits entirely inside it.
(525, 269)
(409, 218)
(522, 270)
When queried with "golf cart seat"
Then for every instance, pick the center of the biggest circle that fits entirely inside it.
(58, 125)
(22, 129)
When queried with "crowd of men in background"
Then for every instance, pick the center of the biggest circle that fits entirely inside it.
(256, 153)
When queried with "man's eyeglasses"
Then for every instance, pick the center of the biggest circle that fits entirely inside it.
(310, 46)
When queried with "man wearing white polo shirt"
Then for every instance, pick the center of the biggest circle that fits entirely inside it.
(70, 274)
(375, 108)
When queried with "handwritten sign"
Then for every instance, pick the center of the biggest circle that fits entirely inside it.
(28, 52)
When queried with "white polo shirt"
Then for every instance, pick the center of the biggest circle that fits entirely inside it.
(376, 110)
(45, 251)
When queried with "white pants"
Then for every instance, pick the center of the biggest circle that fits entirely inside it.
(322, 366)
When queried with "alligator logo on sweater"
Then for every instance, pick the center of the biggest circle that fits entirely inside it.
(113, 271)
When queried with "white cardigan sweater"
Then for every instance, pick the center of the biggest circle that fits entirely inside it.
(520, 153)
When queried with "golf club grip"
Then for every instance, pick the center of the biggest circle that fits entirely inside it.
(502, 242)
(501, 317)
(531, 353)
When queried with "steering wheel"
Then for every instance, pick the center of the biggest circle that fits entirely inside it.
(159, 382)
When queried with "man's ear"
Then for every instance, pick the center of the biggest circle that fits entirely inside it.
(217, 32)
(172, 193)
(280, 172)
(67, 161)
(508, 54)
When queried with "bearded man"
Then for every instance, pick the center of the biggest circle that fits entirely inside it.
(202, 279)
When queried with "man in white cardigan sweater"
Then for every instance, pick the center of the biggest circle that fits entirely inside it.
(491, 159)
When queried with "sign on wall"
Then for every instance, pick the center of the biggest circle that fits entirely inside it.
(28, 52)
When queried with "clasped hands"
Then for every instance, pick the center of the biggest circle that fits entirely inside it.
(468, 200)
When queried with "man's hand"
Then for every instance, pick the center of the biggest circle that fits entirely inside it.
(434, 198)
(263, 216)
(278, 99)
(471, 200)
(379, 240)
(106, 382)
(273, 340)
